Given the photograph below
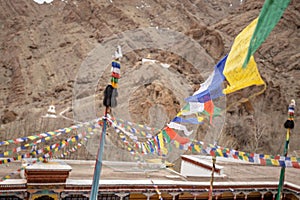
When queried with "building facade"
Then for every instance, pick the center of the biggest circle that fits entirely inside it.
(72, 180)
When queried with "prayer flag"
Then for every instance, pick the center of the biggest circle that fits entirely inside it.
(212, 87)
(174, 136)
(191, 108)
(166, 136)
(188, 120)
(177, 126)
(209, 107)
(269, 16)
(237, 76)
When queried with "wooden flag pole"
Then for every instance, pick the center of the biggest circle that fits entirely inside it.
(210, 193)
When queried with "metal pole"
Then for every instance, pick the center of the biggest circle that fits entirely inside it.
(289, 124)
(98, 164)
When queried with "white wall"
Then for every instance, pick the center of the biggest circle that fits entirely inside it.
(189, 169)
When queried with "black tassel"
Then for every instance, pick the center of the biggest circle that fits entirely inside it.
(107, 96)
(289, 124)
(110, 96)
(113, 100)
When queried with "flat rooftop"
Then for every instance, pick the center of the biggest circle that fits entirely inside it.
(235, 173)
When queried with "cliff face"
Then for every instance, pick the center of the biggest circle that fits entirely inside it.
(43, 48)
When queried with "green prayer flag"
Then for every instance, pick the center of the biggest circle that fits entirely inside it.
(186, 107)
(217, 112)
(269, 162)
(269, 16)
(166, 136)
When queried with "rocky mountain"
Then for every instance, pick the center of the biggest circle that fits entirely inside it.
(46, 49)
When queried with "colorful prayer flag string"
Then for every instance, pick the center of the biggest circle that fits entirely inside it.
(47, 134)
(154, 145)
(8, 176)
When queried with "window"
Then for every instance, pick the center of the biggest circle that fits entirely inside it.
(76, 197)
(9, 198)
(111, 196)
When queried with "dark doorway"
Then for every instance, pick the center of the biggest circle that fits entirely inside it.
(45, 197)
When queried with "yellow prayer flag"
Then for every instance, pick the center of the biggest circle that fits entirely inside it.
(161, 143)
(245, 158)
(275, 162)
(161, 140)
(114, 85)
(237, 76)
(179, 113)
(140, 125)
(52, 133)
(68, 130)
(73, 139)
(200, 119)
(32, 137)
(197, 148)
(146, 147)
(241, 153)
(220, 152)
(143, 133)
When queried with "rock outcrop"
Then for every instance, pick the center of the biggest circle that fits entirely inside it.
(44, 46)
